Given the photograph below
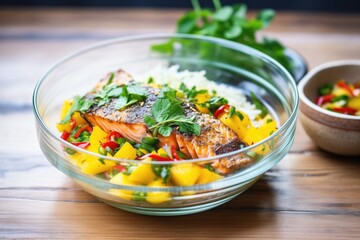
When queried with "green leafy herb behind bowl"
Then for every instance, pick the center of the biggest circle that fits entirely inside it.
(231, 23)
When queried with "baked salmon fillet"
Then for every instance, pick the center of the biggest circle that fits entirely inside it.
(215, 137)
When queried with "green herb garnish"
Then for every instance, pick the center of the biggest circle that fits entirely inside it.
(209, 167)
(150, 80)
(191, 92)
(239, 115)
(149, 144)
(258, 105)
(139, 196)
(344, 98)
(214, 103)
(232, 111)
(326, 89)
(167, 114)
(129, 95)
(162, 171)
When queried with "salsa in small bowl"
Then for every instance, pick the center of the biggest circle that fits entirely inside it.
(329, 106)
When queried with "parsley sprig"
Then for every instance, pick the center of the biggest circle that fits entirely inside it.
(167, 112)
(129, 95)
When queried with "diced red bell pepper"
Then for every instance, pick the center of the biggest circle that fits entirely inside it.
(81, 144)
(65, 135)
(155, 157)
(174, 153)
(221, 110)
(72, 123)
(344, 85)
(112, 135)
(345, 110)
(82, 129)
(110, 144)
(324, 99)
(120, 168)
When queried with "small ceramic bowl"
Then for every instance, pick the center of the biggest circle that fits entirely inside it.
(334, 132)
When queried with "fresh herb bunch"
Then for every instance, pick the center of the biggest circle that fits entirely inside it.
(231, 23)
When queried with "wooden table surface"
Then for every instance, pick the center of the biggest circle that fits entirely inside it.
(310, 194)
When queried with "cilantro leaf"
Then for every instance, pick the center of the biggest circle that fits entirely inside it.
(129, 95)
(164, 109)
(191, 93)
(168, 113)
(149, 121)
(168, 93)
(121, 102)
(214, 103)
(165, 130)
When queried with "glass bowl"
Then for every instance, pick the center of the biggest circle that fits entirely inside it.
(230, 63)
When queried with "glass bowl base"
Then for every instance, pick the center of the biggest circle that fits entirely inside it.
(169, 211)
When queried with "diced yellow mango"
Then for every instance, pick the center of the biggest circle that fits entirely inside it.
(65, 108)
(207, 176)
(157, 197)
(127, 151)
(268, 128)
(239, 126)
(79, 119)
(64, 127)
(338, 91)
(78, 158)
(185, 174)
(142, 174)
(97, 137)
(201, 98)
(93, 167)
(179, 94)
(253, 135)
(354, 103)
(123, 180)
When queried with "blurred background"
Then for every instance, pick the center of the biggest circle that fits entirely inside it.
(304, 5)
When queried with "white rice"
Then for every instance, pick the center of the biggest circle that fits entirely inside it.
(173, 77)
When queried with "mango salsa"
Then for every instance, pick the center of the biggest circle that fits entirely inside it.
(142, 174)
(158, 197)
(201, 98)
(127, 151)
(93, 167)
(152, 130)
(122, 179)
(207, 176)
(185, 174)
(239, 126)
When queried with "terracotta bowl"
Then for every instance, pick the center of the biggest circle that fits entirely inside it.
(334, 132)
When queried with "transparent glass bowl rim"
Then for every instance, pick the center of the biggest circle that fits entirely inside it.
(166, 36)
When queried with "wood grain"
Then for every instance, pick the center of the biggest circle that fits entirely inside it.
(310, 195)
